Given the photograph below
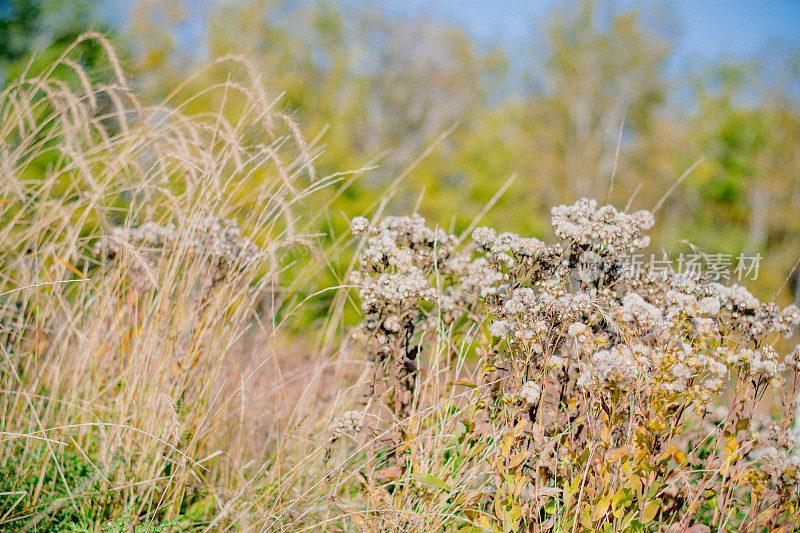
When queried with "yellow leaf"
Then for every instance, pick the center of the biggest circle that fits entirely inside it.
(518, 459)
(586, 517)
(575, 485)
(618, 453)
(498, 509)
(678, 455)
(663, 456)
(567, 495)
(601, 508)
(621, 499)
(732, 446)
(650, 511)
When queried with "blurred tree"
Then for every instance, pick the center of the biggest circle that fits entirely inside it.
(41, 29)
(750, 187)
(384, 90)
(596, 76)
(19, 20)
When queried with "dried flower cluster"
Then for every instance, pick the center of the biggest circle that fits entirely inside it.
(626, 365)
(399, 300)
(783, 469)
(348, 423)
(604, 229)
(148, 234)
(530, 393)
(218, 240)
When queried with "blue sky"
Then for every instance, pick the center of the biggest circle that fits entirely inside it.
(705, 30)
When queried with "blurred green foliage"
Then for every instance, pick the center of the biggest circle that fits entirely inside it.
(33, 33)
(593, 101)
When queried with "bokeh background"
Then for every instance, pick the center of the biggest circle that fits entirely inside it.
(446, 103)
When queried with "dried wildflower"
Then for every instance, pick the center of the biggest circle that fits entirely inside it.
(149, 234)
(757, 365)
(616, 368)
(404, 270)
(348, 423)
(146, 242)
(746, 314)
(604, 228)
(764, 363)
(783, 467)
(793, 359)
(474, 279)
(636, 310)
(736, 297)
(530, 392)
(687, 304)
(705, 326)
(500, 328)
(578, 330)
(638, 350)
(219, 240)
(788, 317)
(582, 334)
(359, 225)
(708, 306)
(396, 289)
(484, 237)
(392, 324)
(510, 251)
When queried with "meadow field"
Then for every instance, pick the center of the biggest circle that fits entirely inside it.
(217, 314)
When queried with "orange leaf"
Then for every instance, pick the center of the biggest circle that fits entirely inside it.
(72, 268)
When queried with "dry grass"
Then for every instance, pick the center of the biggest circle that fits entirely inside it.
(160, 376)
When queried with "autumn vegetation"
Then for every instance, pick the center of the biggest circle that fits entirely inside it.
(327, 274)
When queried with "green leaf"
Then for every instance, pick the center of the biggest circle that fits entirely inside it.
(622, 498)
(429, 480)
(199, 510)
